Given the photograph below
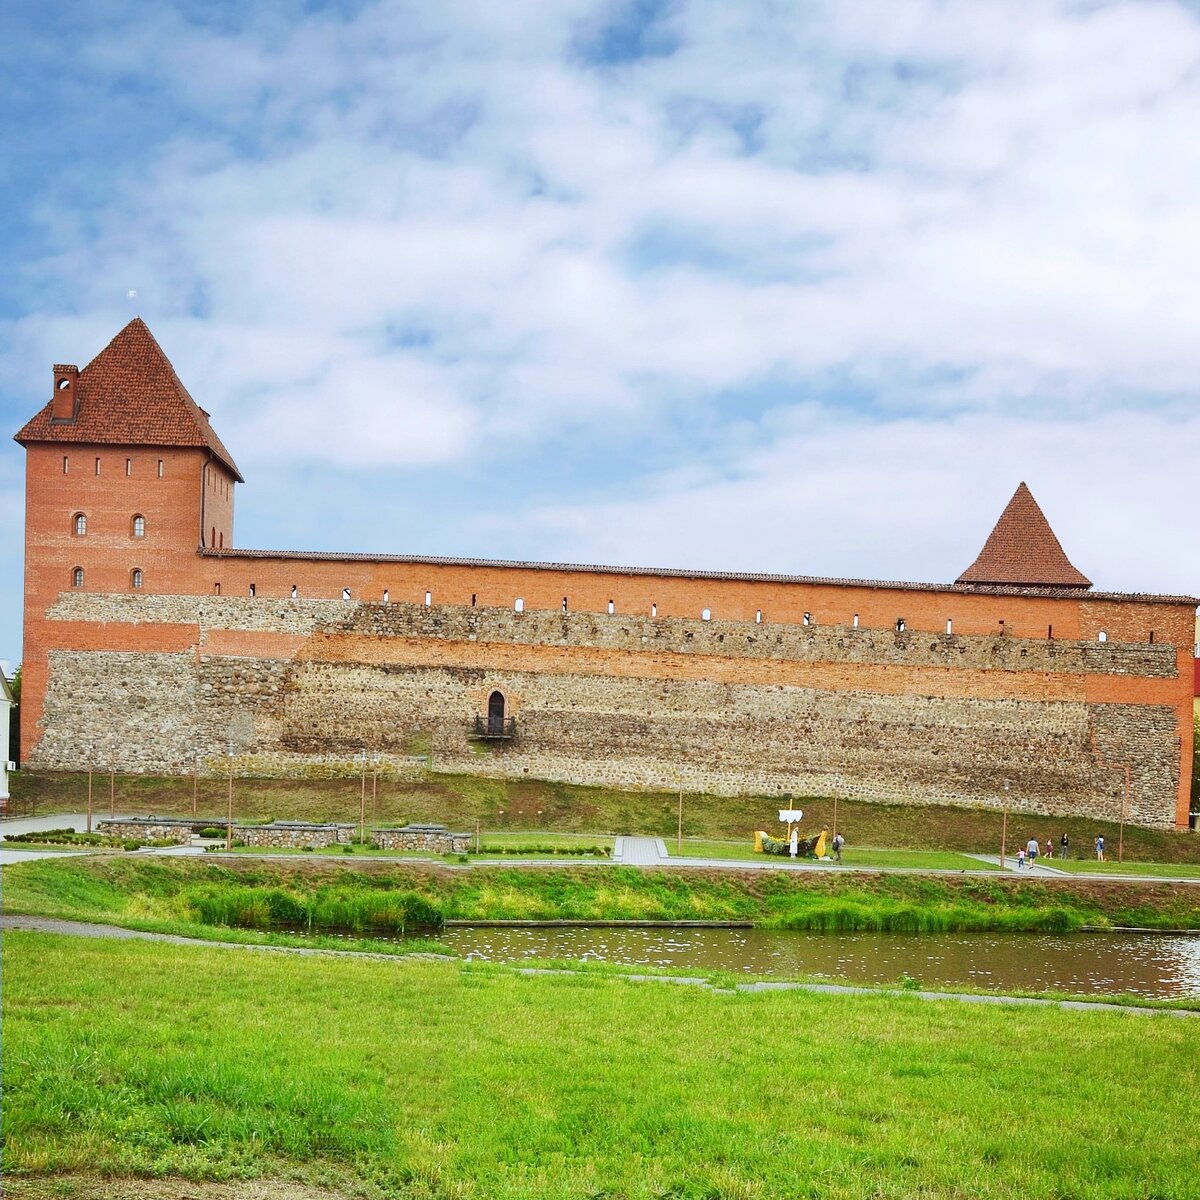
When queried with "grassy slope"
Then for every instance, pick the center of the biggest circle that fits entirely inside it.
(460, 801)
(435, 1080)
(166, 894)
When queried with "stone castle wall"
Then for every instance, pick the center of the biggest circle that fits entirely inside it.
(722, 706)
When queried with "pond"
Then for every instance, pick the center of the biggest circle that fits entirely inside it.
(1152, 965)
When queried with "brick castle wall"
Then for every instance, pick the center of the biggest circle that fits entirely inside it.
(152, 682)
(637, 678)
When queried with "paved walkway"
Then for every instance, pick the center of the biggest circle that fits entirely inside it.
(88, 930)
(639, 851)
(76, 821)
(1010, 864)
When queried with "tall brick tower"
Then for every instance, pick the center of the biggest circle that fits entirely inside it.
(124, 481)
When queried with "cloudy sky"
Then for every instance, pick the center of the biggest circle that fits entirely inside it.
(764, 286)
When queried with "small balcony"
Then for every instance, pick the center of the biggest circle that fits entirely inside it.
(494, 729)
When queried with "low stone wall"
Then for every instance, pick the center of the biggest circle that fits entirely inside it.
(293, 835)
(436, 839)
(148, 829)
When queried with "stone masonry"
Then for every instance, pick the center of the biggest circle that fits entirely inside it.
(717, 706)
(157, 829)
(436, 839)
(293, 835)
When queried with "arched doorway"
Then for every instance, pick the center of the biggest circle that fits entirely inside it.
(496, 714)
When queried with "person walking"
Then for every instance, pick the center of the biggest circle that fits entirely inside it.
(1049, 847)
(838, 843)
(1063, 843)
(1099, 847)
(1032, 851)
(1020, 858)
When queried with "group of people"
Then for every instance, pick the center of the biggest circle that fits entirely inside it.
(1027, 855)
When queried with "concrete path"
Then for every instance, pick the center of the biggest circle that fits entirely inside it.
(88, 930)
(639, 851)
(13, 854)
(76, 821)
(1010, 864)
(10, 858)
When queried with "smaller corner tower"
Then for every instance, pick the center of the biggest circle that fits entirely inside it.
(1023, 551)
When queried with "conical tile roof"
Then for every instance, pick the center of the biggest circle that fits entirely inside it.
(129, 395)
(1022, 551)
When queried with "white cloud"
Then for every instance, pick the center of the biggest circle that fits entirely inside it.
(412, 235)
(903, 499)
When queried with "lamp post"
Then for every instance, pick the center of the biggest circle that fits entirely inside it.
(195, 782)
(112, 787)
(362, 802)
(1004, 827)
(375, 785)
(1124, 809)
(91, 755)
(229, 812)
(679, 824)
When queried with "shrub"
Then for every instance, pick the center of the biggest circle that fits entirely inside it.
(212, 831)
(781, 846)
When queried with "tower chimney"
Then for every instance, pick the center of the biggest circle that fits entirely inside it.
(63, 406)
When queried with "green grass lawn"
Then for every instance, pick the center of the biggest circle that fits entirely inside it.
(942, 860)
(1083, 866)
(48, 848)
(544, 837)
(422, 1080)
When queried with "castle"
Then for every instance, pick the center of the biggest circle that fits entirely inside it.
(152, 644)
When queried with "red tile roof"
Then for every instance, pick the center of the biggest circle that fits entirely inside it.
(1022, 551)
(129, 395)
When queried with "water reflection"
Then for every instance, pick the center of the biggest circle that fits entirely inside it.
(1160, 965)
